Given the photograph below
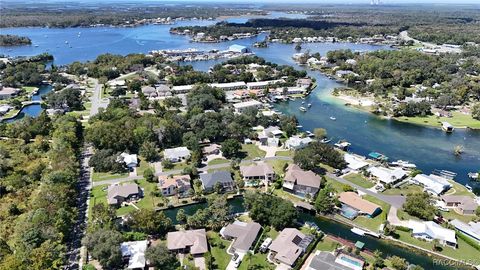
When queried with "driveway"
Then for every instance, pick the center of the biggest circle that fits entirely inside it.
(231, 264)
(199, 262)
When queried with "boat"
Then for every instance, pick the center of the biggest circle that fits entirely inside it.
(378, 156)
(468, 187)
(309, 105)
(333, 118)
(342, 144)
(325, 140)
(447, 127)
(66, 41)
(474, 176)
(303, 109)
(303, 102)
(358, 231)
(35, 45)
(403, 163)
(309, 133)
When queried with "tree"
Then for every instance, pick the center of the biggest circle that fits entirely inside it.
(172, 102)
(103, 216)
(476, 111)
(420, 205)
(378, 260)
(181, 216)
(477, 212)
(398, 263)
(218, 188)
(161, 258)
(325, 201)
(149, 221)
(270, 210)
(149, 151)
(231, 148)
(315, 153)
(167, 164)
(104, 246)
(320, 133)
(149, 175)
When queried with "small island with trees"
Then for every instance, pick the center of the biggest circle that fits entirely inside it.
(14, 40)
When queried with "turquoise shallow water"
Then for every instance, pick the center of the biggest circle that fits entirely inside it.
(429, 148)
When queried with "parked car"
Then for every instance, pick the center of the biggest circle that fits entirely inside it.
(266, 243)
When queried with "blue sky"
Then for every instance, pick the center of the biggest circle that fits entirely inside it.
(277, 1)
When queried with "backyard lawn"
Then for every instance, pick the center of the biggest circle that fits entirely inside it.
(373, 224)
(277, 165)
(143, 165)
(218, 249)
(404, 189)
(288, 153)
(359, 180)
(101, 176)
(252, 151)
(458, 119)
(257, 259)
(327, 244)
(218, 161)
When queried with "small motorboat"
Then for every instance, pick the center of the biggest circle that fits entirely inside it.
(325, 140)
(309, 105)
(333, 118)
(303, 109)
(468, 187)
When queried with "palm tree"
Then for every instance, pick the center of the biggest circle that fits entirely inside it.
(458, 150)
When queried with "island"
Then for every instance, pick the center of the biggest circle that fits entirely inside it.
(14, 40)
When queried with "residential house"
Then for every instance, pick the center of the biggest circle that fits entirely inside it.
(177, 154)
(243, 106)
(432, 184)
(324, 260)
(256, 173)
(472, 229)
(263, 84)
(242, 94)
(388, 176)
(211, 149)
(300, 182)
(117, 194)
(343, 73)
(244, 234)
(429, 230)
(224, 178)
(269, 136)
(149, 91)
(131, 160)
(191, 241)
(182, 89)
(231, 86)
(134, 253)
(304, 82)
(462, 204)
(296, 142)
(8, 92)
(4, 109)
(289, 245)
(353, 205)
(174, 185)
(354, 162)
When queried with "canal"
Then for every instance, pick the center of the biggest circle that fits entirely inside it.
(33, 110)
(334, 228)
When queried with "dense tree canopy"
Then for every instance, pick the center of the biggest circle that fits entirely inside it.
(270, 210)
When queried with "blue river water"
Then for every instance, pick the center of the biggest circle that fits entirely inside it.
(429, 148)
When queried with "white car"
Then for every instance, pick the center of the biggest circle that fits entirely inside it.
(266, 243)
(257, 159)
(236, 260)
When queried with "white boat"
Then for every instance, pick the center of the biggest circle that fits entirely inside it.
(358, 231)
(325, 140)
(66, 41)
(468, 187)
(473, 176)
(447, 127)
(303, 109)
(333, 118)
(342, 145)
(403, 163)
(303, 102)
(309, 105)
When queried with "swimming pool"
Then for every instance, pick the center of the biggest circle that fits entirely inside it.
(348, 212)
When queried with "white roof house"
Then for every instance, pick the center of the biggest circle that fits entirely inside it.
(182, 88)
(430, 230)
(432, 183)
(135, 250)
(354, 162)
(130, 160)
(295, 142)
(177, 154)
(230, 85)
(472, 229)
(386, 175)
(242, 106)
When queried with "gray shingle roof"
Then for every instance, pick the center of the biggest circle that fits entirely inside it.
(209, 179)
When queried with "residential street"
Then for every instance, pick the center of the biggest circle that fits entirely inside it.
(97, 102)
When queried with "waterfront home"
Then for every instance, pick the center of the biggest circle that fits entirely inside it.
(182, 89)
(353, 205)
(244, 234)
(343, 73)
(300, 182)
(289, 245)
(472, 229)
(429, 230)
(163, 90)
(243, 106)
(174, 185)
(231, 86)
(324, 260)
(432, 184)
(355, 162)
(191, 241)
(8, 92)
(462, 204)
(296, 142)
(304, 82)
(177, 154)
(5, 109)
(224, 178)
(351, 62)
(242, 94)
(272, 131)
(130, 160)
(117, 194)
(211, 149)
(256, 173)
(386, 175)
(238, 48)
(149, 91)
(263, 84)
(134, 253)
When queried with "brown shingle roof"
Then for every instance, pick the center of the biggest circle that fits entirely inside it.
(175, 180)
(196, 240)
(286, 245)
(245, 234)
(301, 177)
(124, 191)
(260, 169)
(354, 200)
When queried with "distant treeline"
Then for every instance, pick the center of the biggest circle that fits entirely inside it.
(13, 40)
(297, 23)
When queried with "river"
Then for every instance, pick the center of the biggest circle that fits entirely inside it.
(429, 148)
(332, 228)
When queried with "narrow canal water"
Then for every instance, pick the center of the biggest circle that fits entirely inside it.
(33, 110)
(337, 229)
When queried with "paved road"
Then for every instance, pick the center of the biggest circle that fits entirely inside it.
(394, 200)
(440, 48)
(98, 102)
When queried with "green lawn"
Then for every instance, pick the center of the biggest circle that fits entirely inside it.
(100, 176)
(149, 201)
(288, 153)
(177, 166)
(286, 195)
(337, 186)
(458, 189)
(218, 161)
(97, 196)
(327, 244)
(29, 89)
(277, 165)
(252, 151)
(219, 253)
(257, 259)
(454, 215)
(143, 165)
(404, 189)
(359, 180)
(458, 119)
(463, 252)
(373, 223)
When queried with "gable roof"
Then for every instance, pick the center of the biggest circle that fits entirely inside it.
(209, 179)
(287, 245)
(259, 169)
(245, 234)
(136, 251)
(175, 153)
(387, 175)
(165, 181)
(354, 200)
(196, 240)
(124, 191)
(300, 177)
(433, 230)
